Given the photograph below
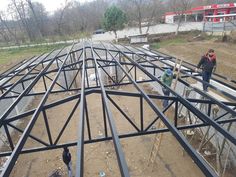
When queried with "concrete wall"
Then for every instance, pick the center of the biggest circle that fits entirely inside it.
(157, 29)
(169, 19)
(19, 108)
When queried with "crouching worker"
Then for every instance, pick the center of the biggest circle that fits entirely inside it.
(67, 160)
(166, 78)
(208, 65)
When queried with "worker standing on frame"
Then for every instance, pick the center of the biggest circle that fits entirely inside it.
(166, 78)
(208, 65)
(67, 160)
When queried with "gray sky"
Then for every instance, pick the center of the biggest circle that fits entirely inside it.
(50, 5)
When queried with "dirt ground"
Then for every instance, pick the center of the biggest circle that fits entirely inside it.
(101, 156)
(170, 161)
(192, 51)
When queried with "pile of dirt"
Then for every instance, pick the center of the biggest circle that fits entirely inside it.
(101, 156)
(227, 37)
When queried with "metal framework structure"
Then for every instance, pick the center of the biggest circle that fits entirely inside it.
(83, 57)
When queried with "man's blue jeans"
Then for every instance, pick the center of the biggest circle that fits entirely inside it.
(206, 76)
(165, 101)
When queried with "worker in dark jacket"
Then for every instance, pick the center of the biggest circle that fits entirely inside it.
(166, 79)
(66, 156)
(208, 65)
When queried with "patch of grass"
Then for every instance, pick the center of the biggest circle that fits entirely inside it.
(18, 54)
(49, 39)
(167, 42)
(183, 37)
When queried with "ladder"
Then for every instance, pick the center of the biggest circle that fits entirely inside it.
(176, 71)
(158, 137)
(156, 145)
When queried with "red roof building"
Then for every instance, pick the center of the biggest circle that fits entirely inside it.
(214, 13)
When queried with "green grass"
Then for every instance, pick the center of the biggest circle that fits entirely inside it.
(183, 38)
(13, 55)
(168, 42)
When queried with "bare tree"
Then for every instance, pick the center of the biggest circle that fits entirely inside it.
(179, 7)
(5, 26)
(31, 21)
(35, 18)
(155, 10)
(60, 16)
(20, 8)
(42, 18)
(141, 12)
(3, 33)
(85, 17)
(138, 5)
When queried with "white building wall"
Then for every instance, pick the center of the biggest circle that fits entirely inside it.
(169, 19)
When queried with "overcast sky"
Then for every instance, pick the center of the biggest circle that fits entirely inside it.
(50, 5)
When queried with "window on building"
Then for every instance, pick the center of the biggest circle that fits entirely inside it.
(191, 18)
(176, 18)
(199, 17)
(209, 12)
(220, 13)
(232, 11)
(221, 19)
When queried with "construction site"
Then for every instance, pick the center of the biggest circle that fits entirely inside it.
(104, 102)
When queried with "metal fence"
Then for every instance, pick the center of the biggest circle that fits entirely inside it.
(220, 26)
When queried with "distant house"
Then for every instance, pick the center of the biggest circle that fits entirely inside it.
(213, 13)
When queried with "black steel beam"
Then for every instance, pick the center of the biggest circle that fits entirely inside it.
(165, 130)
(80, 143)
(12, 69)
(47, 127)
(123, 113)
(111, 92)
(11, 161)
(199, 80)
(119, 153)
(29, 87)
(187, 104)
(9, 137)
(31, 136)
(168, 57)
(141, 63)
(30, 61)
(206, 169)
